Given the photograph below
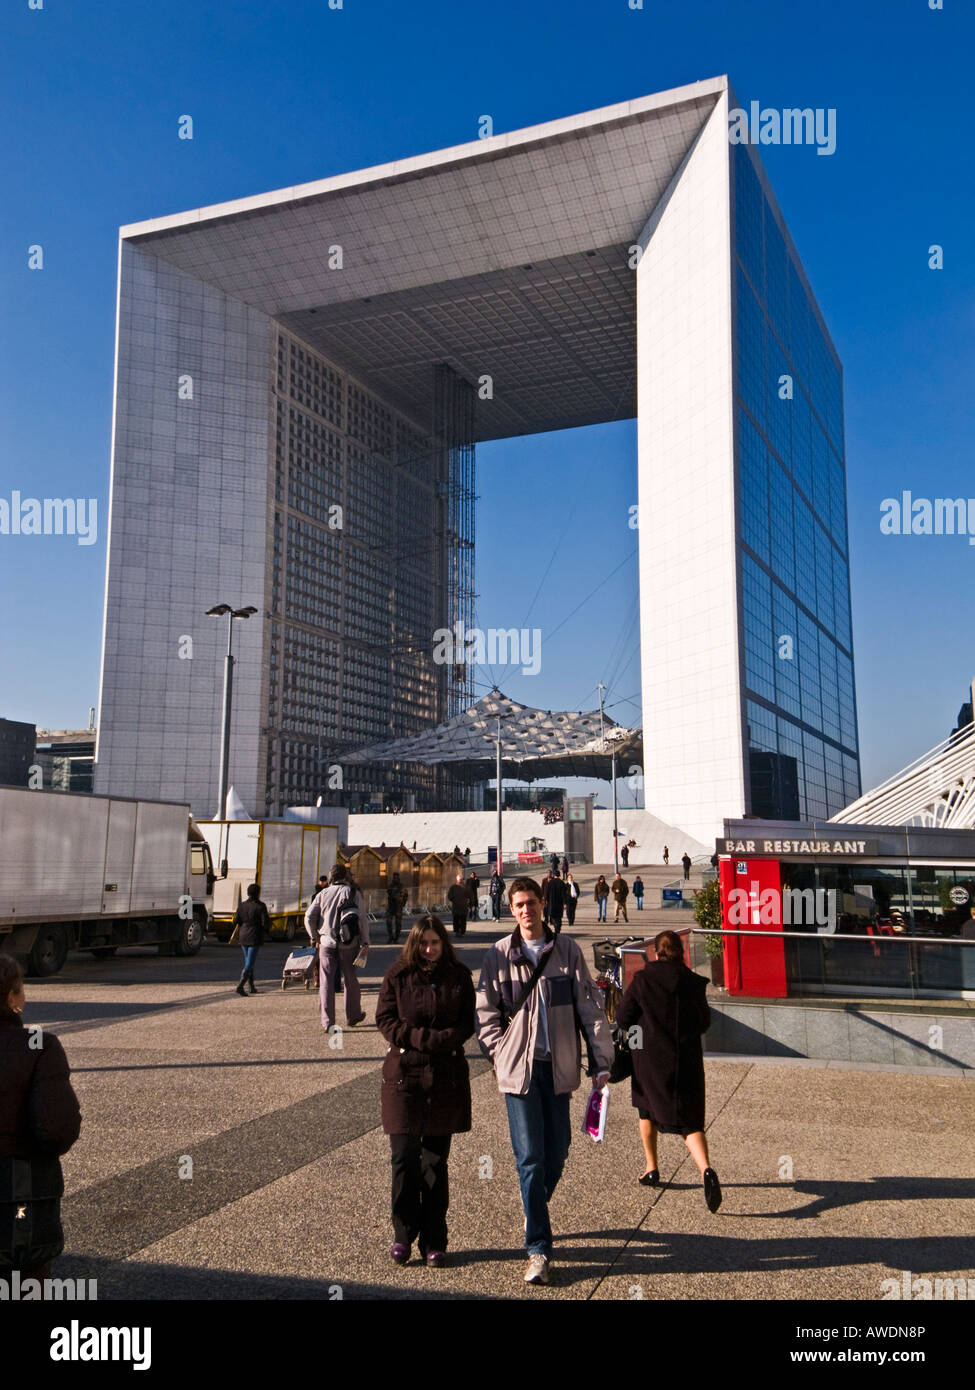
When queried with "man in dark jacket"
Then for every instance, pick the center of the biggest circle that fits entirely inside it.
(554, 902)
(473, 883)
(39, 1121)
(254, 924)
(497, 894)
(459, 897)
(396, 896)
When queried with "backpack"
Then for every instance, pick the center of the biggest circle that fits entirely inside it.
(348, 930)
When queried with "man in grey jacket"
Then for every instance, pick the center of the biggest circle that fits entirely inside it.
(532, 1039)
(322, 920)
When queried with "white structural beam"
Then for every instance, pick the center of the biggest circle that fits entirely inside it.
(936, 790)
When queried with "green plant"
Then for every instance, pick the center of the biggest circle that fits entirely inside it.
(707, 914)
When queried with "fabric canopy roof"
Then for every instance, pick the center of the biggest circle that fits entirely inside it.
(535, 743)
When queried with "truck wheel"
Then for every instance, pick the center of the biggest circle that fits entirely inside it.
(190, 937)
(290, 928)
(49, 952)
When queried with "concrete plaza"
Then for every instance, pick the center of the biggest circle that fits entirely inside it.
(289, 1191)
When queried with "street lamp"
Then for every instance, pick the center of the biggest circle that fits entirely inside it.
(498, 855)
(602, 738)
(218, 611)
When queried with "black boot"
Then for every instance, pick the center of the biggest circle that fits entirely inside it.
(250, 981)
(240, 986)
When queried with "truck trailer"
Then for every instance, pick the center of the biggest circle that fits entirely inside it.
(285, 857)
(98, 872)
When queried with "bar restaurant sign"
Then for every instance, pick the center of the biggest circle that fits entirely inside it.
(848, 849)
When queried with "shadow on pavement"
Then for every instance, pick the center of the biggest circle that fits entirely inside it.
(144, 1281)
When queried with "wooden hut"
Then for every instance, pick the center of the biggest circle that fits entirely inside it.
(366, 866)
(453, 864)
(431, 887)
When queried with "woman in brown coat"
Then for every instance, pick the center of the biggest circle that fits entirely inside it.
(426, 1014)
(39, 1121)
(668, 1003)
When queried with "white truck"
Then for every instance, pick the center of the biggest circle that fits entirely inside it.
(98, 872)
(284, 856)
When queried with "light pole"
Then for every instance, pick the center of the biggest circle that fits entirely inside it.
(218, 611)
(498, 855)
(602, 738)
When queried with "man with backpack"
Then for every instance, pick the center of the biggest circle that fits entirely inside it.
(338, 914)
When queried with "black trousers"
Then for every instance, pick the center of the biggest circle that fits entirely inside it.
(460, 922)
(420, 1192)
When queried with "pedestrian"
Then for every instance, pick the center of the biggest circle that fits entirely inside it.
(565, 866)
(396, 900)
(571, 899)
(714, 861)
(473, 883)
(621, 890)
(638, 892)
(666, 855)
(554, 864)
(601, 895)
(459, 898)
(426, 1014)
(668, 1002)
(554, 903)
(686, 861)
(39, 1120)
(534, 994)
(625, 855)
(544, 888)
(312, 924)
(497, 894)
(343, 931)
(252, 924)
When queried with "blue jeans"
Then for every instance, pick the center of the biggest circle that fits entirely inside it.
(541, 1132)
(639, 901)
(601, 903)
(250, 956)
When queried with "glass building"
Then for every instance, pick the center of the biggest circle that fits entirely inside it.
(795, 585)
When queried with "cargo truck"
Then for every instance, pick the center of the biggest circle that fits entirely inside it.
(285, 857)
(99, 872)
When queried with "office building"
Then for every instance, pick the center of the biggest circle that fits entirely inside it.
(303, 376)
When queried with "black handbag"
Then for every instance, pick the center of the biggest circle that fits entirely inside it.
(30, 1212)
(622, 1068)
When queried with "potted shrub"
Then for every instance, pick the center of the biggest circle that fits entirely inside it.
(707, 914)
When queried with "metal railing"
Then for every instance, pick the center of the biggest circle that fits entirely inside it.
(828, 963)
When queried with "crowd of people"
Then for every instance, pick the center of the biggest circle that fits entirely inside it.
(534, 996)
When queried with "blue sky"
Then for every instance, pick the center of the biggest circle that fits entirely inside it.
(283, 93)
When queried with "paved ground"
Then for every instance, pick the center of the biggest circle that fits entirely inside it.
(289, 1190)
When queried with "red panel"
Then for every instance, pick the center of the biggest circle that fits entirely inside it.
(755, 966)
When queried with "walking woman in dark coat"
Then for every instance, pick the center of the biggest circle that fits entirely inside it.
(253, 924)
(426, 1014)
(39, 1121)
(668, 1002)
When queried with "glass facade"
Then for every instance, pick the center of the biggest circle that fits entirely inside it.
(803, 752)
(356, 593)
